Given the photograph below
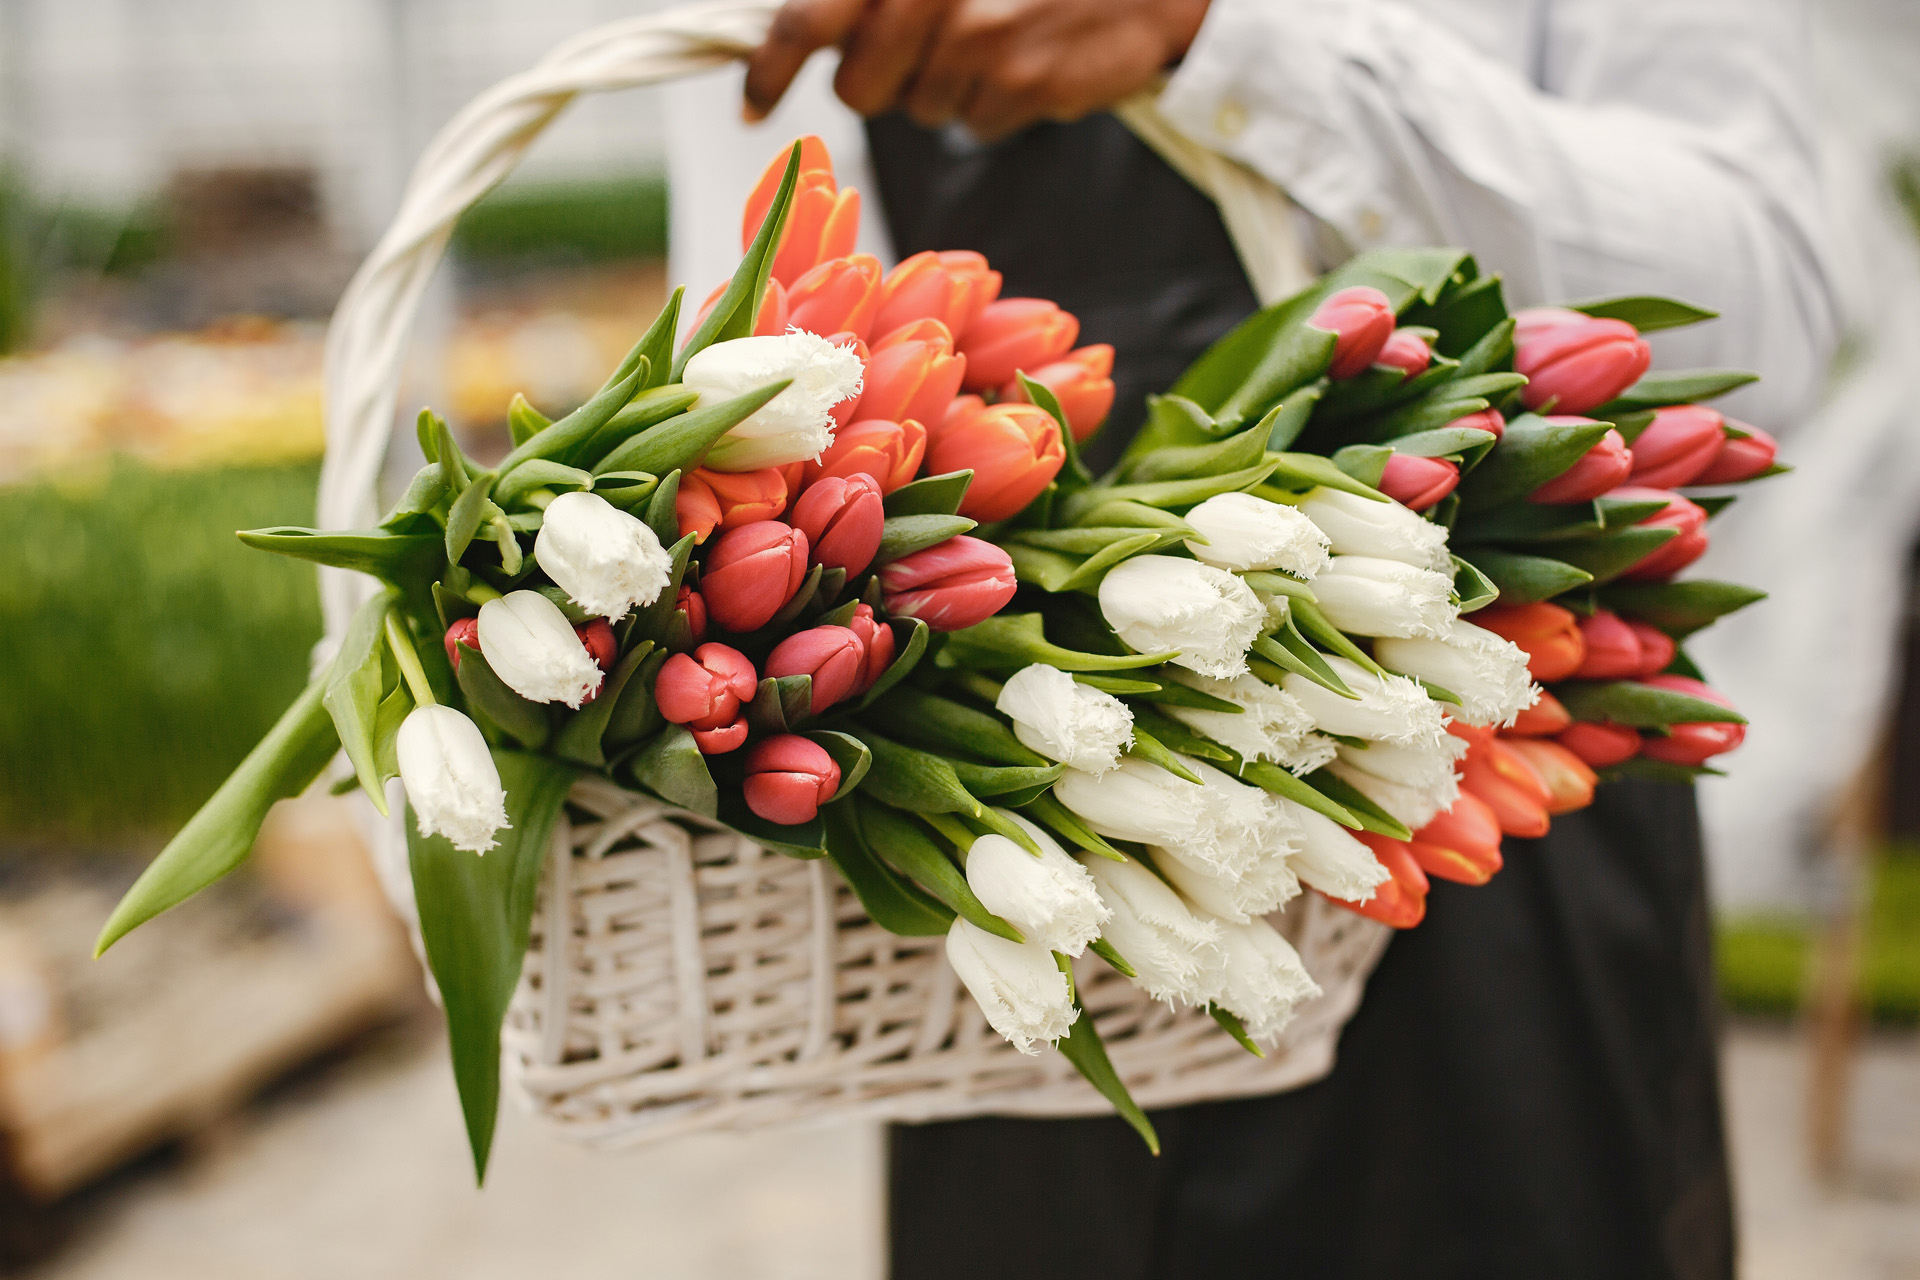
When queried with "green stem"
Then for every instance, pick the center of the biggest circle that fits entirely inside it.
(480, 592)
(410, 669)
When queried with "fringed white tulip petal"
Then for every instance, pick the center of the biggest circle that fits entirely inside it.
(1358, 526)
(1389, 709)
(1174, 954)
(1161, 603)
(1332, 861)
(1018, 985)
(1135, 801)
(1370, 596)
(1271, 725)
(1264, 980)
(1486, 672)
(606, 561)
(450, 778)
(1065, 720)
(1050, 899)
(1267, 885)
(533, 648)
(794, 426)
(1244, 532)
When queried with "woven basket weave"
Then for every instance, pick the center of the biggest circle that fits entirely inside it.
(680, 976)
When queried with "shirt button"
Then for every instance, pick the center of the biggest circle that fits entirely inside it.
(1230, 120)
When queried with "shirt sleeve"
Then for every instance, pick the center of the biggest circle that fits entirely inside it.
(1660, 146)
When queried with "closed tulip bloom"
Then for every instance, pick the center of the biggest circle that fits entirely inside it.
(1018, 985)
(1697, 742)
(1418, 483)
(1064, 720)
(1547, 633)
(952, 286)
(597, 638)
(604, 559)
(1412, 781)
(1568, 778)
(1050, 899)
(1244, 533)
(1602, 468)
(822, 222)
(1240, 824)
(1601, 744)
(1491, 421)
(1575, 362)
(1462, 844)
(1081, 380)
(533, 649)
(463, 631)
(912, 373)
(1613, 649)
(1014, 334)
(833, 656)
(1271, 724)
(1331, 860)
(709, 500)
(706, 688)
(960, 409)
(950, 586)
(1542, 720)
(877, 639)
(1367, 596)
(1362, 318)
(1401, 901)
(1390, 708)
(689, 625)
(1357, 526)
(1135, 801)
(890, 452)
(788, 778)
(1014, 452)
(840, 295)
(1740, 458)
(794, 426)
(843, 518)
(1265, 886)
(1510, 787)
(1657, 648)
(772, 320)
(1175, 954)
(451, 780)
(751, 572)
(1262, 980)
(1406, 351)
(1485, 671)
(1161, 603)
(1679, 444)
(1688, 545)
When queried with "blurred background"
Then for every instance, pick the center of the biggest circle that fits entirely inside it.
(255, 1086)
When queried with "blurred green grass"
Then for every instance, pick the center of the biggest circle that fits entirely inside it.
(600, 220)
(145, 649)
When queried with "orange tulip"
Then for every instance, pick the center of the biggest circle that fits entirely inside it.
(1013, 334)
(911, 373)
(772, 319)
(1013, 450)
(1568, 780)
(960, 409)
(837, 297)
(1600, 743)
(1541, 720)
(710, 500)
(1462, 844)
(952, 287)
(1081, 380)
(1507, 783)
(823, 221)
(890, 452)
(1401, 902)
(1549, 634)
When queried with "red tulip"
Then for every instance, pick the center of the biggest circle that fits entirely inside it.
(1362, 317)
(1082, 381)
(1462, 844)
(709, 500)
(1401, 902)
(1677, 446)
(1549, 634)
(751, 572)
(1695, 742)
(822, 221)
(704, 690)
(838, 296)
(950, 586)
(596, 636)
(1418, 483)
(1677, 552)
(952, 287)
(1508, 784)
(843, 519)
(1602, 467)
(1601, 743)
(1541, 720)
(877, 636)
(1485, 420)
(889, 452)
(1406, 351)
(1569, 781)
(833, 656)
(788, 778)
(689, 625)
(1014, 334)
(1740, 458)
(1576, 362)
(772, 319)
(463, 631)
(1014, 452)
(1613, 650)
(911, 373)
(1656, 648)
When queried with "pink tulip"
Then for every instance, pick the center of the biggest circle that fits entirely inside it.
(911, 373)
(1418, 483)
(1575, 362)
(689, 625)
(751, 572)
(1602, 744)
(1740, 459)
(838, 296)
(877, 636)
(1604, 466)
(1362, 317)
(1696, 742)
(1082, 381)
(788, 778)
(843, 519)
(1612, 648)
(596, 636)
(950, 586)
(704, 691)
(1014, 334)
(1485, 420)
(463, 631)
(1406, 351)
(1677, 552)
(1677, 446)
(1656, 648)
(833, 656)
(952, 287)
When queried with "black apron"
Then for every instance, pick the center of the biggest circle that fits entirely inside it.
(1530, 1088)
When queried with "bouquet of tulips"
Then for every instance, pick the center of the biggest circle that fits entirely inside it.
(830, 571)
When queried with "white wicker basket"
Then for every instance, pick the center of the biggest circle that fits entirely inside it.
(680, 976)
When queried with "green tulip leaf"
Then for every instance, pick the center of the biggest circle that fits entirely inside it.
(894, 903)
(1642, 706)
(356, 682)
(734, 314)
(930, 495)
(1082, 1047)
(904, 535)
(905, 846)
(670, 765)
(1679, 608)
(1645, 313)
(681, 444)
(1524, 579)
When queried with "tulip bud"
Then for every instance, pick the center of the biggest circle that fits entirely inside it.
(1603, 467)
(877, 639)
(533, 649)
(952, 287)
(604, 559)
(1051, 899)
(1613, 650)
(1401, 902)
(1656, 648)
(960, 409)
(1243, 533)
(463, 631)
(1406, 351)
(1462, 844)
(1362, 318)
(451, 779)
(772, 320)
(689, 625)
(1418, 483)
(794, 426)
(838, 296)
(912, 373)
(1740, 458)
(1018, 985)
(709, 500)
(1696, 742)
(1174, 953)
(1569, 781)
(751, 572)
(1575, 362)
(1357, 526)
(1390, 708)
(596, 637)
(950, 586)
(1331, 860)
(1508, 784)
(1601, 744)
(1014, 452)
(1489, 420)
(1677, 552)
(1262, 979)
(1548, 634)
(1064, 720)
(1014, 334)
(843, 519)
(704, 690)
(1271, 724)
(1487, 672)
(833, 656)
(822, 220)
(1541, 720)
(1679, 444)
(1135, 801)
(1082, 381)
(1366, 596)
(889, 452)
(788, 778)
(1161, 603)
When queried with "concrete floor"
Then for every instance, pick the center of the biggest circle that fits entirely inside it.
(360, 1170)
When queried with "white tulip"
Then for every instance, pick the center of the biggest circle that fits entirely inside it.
(604, 559)
(1368, 596)
(1050, 899)
(1389, 709)
(1271, 724)
(1332, 861)
(533, 648)
(1315, 751)
(450, 777)
(795, 425)
(1486, 672)
(1135, 801)
(1018, 985)
(1415, 806)
(1174, 954)
(1264, 980)
(1267, 885)
(1240, 823)
(1415, 782)
(1244, 532)
(1065, 720)
(1158, 603)
(1358, 526)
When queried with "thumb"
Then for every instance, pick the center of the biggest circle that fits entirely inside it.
(800, 28)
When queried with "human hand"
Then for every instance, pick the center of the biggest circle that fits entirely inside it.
(996, 65)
